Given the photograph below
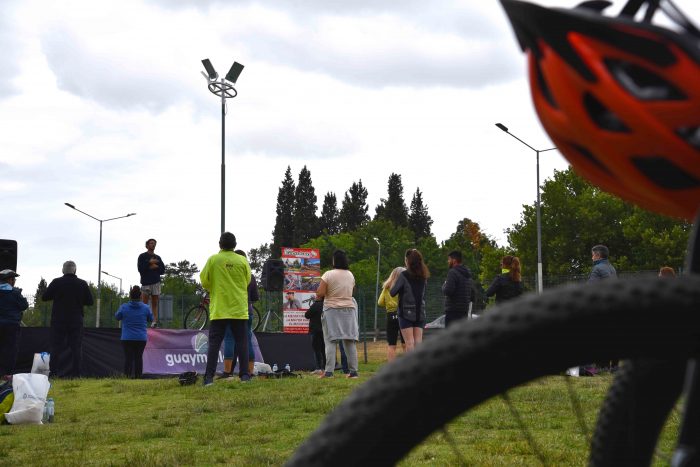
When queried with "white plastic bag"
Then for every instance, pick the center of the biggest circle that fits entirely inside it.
(41, 363)
(30, 391)
(261, 367)
(573, 371)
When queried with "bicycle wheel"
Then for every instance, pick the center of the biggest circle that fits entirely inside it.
(197, 318)
(256, 319)
(517, 342)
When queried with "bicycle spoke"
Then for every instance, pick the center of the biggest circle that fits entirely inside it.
(453, 445)
(576, 405)
(526, 433)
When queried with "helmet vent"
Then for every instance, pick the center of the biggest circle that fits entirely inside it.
(602, 116)
(665, 173)
(691, 135)
(588, 155)
(641, 83)
(543, 86)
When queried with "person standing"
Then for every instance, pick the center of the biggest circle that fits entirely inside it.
(391, 305)
(151, 267)
(226, 276)
(135, 317)
(230, 346)
(339, 319)
(69, 295)
(313, 314)
(602, 269)
(457, 289)
(410, 287)
(12, 306)
(508, 284)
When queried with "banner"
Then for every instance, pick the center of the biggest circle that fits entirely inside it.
(174, 351)
(302, 276)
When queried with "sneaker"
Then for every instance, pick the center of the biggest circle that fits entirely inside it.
(225, 375)
(245, 378)
(208, 381)
(352, 375)
(327, 374)
(155, 324)
(317, 372)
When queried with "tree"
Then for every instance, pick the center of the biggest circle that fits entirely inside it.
(472, 242)
(419, 220)
(394, 207)
(40, 289)
(576, 216)
(179, 278)
(329, 221)
(353, 213)
(306, 225)
(257, 257)
(283, 233)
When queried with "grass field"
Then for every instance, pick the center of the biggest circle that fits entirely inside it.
(159, 422)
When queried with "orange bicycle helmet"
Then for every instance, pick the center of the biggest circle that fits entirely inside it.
(619, 97)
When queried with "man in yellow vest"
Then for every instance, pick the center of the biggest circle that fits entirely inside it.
(226, 276)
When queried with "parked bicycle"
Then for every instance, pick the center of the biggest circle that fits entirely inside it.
(620, 98)
(197, 317)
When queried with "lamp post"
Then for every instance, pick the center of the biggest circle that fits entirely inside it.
(99, 261)
(376, 290)
(225, 90)
(539, 221)
(120, 281)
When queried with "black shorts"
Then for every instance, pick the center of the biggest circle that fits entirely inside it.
(392, 328)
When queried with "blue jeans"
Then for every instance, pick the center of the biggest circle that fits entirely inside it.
(343, 358)
(230, 342)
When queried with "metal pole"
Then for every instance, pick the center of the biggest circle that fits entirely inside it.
(223, 159)
(376, 293)
(99, 281)
(539, 230)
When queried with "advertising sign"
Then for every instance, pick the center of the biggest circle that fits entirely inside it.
(302, 276)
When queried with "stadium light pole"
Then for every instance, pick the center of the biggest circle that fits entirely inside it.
(376, 289)
(539, 221)
(120, 281)
(225, 90)
(99, 261)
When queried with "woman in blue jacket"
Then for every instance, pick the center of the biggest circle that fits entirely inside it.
(135, 317)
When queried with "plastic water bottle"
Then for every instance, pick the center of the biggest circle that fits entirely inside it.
(50, 405)
(287, 368)
(274, 368)
(45, 417)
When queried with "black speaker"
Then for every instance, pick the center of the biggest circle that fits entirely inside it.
(272, 277)
(8, 254)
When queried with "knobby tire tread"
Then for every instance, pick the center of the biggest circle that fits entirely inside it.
(521, 340)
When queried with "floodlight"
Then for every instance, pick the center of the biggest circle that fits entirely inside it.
(210, 69)
(502, 127)
(234, 72)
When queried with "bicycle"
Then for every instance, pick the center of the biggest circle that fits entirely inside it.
(540, 335)
(197, 317)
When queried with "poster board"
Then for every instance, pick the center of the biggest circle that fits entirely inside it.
(302, 276)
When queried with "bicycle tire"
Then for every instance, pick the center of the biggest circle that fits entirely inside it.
(196, 318)
(256, 319)
(517, 342)
(633, 414)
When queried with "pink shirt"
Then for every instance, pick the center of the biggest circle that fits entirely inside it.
(339, 285)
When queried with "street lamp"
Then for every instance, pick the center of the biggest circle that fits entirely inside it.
(120, 281)
(99, 263)
(539, 222)
(225, 90)
(376, 290)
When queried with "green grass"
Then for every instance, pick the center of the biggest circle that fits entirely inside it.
(159, 422)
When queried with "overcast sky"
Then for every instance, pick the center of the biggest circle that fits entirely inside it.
(102, 105)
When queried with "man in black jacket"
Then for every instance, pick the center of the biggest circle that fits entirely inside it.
(12, 305)
(457, 289)
(69, 295)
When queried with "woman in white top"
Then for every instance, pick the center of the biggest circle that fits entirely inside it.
(339, 319)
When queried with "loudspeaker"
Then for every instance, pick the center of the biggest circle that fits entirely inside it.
(272, 277)
(8, 254)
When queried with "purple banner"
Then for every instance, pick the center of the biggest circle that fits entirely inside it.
(174, 351)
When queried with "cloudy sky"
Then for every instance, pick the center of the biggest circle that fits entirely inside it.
(102, 105)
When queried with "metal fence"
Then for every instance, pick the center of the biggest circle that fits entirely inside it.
(372, 320)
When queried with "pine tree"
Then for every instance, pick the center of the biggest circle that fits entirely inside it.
(305, 218)
(283, 234)
(353, 213)
(40, 289)
(394, 207)
(419, 220)
(329, 221)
